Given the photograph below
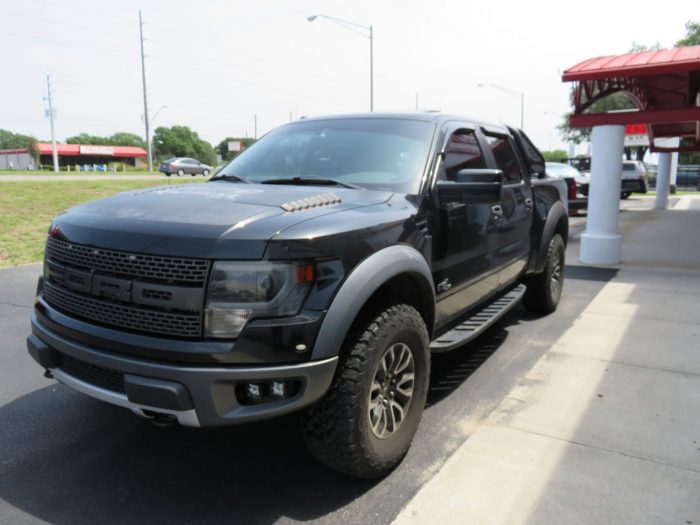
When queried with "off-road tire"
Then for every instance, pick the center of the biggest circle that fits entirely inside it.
(337, 429)
(540, 296)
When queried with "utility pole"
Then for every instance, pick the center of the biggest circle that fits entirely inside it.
(54, 150)
(256, 127)
(371, 68)
(145, 99)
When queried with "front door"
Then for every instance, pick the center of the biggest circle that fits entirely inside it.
(464, 268)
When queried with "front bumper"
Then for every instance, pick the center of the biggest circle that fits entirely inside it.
(634, 185)
(199, 396)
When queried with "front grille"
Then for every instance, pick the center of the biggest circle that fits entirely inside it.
(93, 374)
(113, 314)
(156, 267)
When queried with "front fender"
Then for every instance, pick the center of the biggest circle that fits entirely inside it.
(365, 279)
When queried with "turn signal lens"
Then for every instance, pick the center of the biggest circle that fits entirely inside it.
(304, 273)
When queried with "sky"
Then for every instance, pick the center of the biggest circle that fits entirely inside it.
(214, 65)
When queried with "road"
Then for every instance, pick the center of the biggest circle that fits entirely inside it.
(65, 458)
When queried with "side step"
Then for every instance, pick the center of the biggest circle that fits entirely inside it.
(477, 323)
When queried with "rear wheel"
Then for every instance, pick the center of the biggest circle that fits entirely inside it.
(364, 425)
(180, 173)
(205, 173)
(544, 289)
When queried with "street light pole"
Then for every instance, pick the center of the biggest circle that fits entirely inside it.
(514, 92)
(352, 26)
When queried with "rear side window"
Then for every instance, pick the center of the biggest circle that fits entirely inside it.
(506, 159)
(462, 152)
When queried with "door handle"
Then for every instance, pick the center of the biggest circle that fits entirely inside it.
(497, 212)
(528, 203)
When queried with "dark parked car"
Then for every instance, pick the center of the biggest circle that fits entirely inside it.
(184, 166)
(316, 272)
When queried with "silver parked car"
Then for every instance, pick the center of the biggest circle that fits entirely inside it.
(184, 165)
(634, 178)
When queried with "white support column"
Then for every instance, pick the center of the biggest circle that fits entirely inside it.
(601, 243)
(663, 181)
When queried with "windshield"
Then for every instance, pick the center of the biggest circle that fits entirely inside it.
(560, 170)
(377, 154)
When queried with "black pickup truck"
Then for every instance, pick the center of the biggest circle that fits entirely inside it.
(317, 271)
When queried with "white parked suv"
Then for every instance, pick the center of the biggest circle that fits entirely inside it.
(634, 178)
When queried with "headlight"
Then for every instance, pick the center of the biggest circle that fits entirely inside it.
(240, 291)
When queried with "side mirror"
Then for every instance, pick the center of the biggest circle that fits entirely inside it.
(481, 185)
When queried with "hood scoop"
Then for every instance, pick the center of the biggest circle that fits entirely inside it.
(316, 201)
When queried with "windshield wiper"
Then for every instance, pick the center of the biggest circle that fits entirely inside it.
(311, 180)
(230, 178)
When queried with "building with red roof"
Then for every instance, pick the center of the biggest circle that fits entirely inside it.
(73, 155)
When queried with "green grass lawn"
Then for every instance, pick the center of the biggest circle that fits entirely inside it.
(27, 208)
(95, 173)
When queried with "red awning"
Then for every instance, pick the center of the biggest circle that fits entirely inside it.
(678, 60)
(75, 150)
(664, 85)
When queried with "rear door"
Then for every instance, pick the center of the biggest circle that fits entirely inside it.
(464, 267)
(513, 240)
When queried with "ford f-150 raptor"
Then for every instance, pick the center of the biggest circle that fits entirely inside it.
(316, 272)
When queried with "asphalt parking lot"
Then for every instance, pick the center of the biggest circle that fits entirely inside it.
(69, 459)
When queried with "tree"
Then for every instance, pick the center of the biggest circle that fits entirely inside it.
(556, 155)
(9, 140)
(86, 138)
(222, 148)
(123, 138)
(181, 141)
(692, 34)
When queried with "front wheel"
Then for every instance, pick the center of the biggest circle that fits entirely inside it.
(205, 173)
(180, 173)
(544, 289)
(364, 425)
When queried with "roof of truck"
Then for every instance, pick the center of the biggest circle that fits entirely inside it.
(425, 116)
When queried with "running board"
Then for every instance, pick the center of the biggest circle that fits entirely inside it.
(479, 322)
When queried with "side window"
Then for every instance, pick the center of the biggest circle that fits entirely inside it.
(506, 160)
(462, 152)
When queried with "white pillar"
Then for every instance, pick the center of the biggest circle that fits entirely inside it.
(601, 243)
(663, 181)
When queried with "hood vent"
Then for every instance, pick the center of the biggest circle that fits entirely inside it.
(325, 199)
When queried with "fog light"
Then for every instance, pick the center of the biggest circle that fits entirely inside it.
(279, 389)
(254, 392)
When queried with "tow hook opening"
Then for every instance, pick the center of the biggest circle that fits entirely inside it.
(160, 419)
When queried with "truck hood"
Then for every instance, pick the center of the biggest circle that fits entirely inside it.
(212, 220)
